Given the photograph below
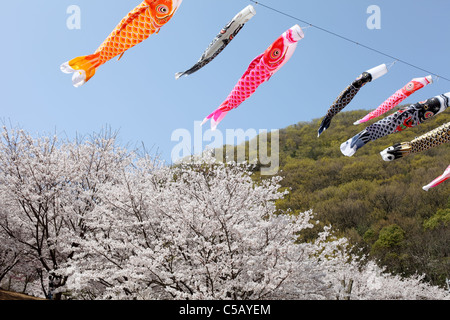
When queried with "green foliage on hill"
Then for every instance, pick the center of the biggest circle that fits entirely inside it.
(379, 206)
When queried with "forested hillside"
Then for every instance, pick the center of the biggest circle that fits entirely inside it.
(380, 206)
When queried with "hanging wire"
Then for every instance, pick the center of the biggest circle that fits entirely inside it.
(392, 64)
(350, 40)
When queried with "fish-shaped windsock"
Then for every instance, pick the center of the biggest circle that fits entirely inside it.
(394, 100)
(259, 71)
(146, 19)
(403, 119)
(438, 180)
(425, 142)
(228, 33)
(349, 93)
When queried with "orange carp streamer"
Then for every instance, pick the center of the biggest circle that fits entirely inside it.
(145, 20)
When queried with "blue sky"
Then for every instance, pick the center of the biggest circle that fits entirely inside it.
(139, 96)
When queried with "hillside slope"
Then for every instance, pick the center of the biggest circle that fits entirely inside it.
(380, 206)
(8, 295)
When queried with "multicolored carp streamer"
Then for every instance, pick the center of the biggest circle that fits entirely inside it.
(394, 100)
(438, 180)
(349, 93)
(146, 19)
(228, 33)
(261, 69)
(403, 119)
(425, 142)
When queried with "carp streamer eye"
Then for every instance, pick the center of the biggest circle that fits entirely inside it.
(275, 54)
(162, 9)
(410, 86)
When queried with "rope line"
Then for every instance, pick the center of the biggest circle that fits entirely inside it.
(349, 40)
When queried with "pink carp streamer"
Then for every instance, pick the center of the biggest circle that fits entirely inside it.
(393, 101)
(261, 69)
(438, 180)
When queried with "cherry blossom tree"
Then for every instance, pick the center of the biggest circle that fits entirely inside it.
(368, 281)
(197, 231)
(47, 188)
(9, 257)
(91, 220)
